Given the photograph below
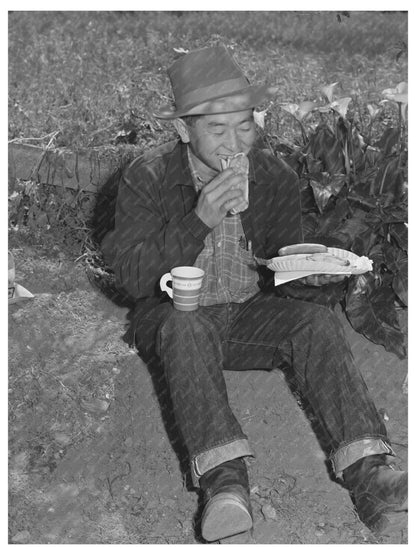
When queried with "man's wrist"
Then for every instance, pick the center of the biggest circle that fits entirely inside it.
(195, 225)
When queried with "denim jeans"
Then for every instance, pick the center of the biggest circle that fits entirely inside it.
(265, 332)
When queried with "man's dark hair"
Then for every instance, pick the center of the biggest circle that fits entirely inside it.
(190, 121)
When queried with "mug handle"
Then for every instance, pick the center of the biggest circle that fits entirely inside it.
(163, 281)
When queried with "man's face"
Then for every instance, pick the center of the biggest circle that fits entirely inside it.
(219, 135)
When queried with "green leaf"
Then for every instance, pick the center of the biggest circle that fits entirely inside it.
(328, 224)
(360, 195)
(400, 90)
(326, 186)
(305, 108)
(371, 311)
(400, 282)
(290, 108)
(376, 254)
(307, 197)
(400, 234)
(328, 91)
(401, 99)
(389, 182)
(396, 213)
(331, 224)
(359, 233)
(397, 262)
(309, 224)
(341, 106)
(388, 140)
(352, 233)
(325, 109)
(373, 111)
(363, 242)
(314, 165)
(372, 156)
(259, 118)
(324, 146)
(299, 111)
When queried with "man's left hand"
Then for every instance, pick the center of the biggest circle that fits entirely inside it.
(316, 280)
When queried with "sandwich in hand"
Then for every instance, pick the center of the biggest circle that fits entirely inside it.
(241, 162)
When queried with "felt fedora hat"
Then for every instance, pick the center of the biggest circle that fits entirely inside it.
(209, 81)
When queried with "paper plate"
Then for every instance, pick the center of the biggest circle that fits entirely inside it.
(335, 261)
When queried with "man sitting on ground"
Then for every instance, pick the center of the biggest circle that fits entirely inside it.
(178, 207)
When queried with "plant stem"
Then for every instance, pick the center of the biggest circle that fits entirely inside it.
(370, 129)
(399, 148)
(383, 180)
(350, 139)
(304, 135)
(346, 159)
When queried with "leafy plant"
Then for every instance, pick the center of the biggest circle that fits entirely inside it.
(354, 192)
(39, 210)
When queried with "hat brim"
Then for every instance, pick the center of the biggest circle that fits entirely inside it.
(237, 101)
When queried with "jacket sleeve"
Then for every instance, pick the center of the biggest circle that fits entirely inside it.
(285, 222)
(145, 243)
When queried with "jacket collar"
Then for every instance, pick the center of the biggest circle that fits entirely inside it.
(178, 171)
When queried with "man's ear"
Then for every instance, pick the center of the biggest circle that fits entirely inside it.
(182, 129)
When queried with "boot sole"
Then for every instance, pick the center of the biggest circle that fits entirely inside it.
(381, 517)
(225, 515)
(391, 523)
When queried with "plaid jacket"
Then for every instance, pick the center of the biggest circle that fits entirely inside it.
(156, 227)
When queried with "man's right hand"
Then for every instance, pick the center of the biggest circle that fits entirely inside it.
(219, 196)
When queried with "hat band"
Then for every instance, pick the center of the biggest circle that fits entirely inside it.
(213, 91)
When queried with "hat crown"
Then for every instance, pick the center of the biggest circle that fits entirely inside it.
(204, 73)
(209, 81)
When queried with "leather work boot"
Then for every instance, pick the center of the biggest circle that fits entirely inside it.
(379, 493)
(227, 509)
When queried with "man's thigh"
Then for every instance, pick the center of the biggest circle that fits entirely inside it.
(264, 323)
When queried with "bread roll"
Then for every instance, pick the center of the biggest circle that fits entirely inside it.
(302, 248)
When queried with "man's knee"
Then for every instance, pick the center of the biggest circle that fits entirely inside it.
(177, 320)
(323, 320)
(179, 326)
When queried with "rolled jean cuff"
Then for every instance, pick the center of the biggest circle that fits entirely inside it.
(356, 450)
(218, 455)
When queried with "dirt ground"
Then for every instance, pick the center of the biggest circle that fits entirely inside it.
(92, 458)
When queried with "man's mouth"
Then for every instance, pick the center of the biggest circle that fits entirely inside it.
(226, 160)
(229, 156)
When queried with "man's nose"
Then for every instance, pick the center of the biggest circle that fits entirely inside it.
(232, 142)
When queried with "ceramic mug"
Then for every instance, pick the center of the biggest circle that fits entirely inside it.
(186, 287)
